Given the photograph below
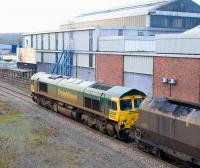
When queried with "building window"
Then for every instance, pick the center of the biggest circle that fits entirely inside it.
(140, 33)
(177, 23)
(120, 32)
(90, 60)
(42, 57)
(166, 22)
(71, 35)
(43, 87)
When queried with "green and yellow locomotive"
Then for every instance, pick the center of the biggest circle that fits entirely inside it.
(110, 109)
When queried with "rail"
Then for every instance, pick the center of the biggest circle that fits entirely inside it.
(127, 147)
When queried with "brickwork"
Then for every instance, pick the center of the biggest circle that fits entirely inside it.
(187, 73)
(109, 69)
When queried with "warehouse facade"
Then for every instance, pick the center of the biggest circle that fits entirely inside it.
(117, 54)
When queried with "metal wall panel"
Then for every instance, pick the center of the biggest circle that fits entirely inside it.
(178, 46)
(83, 60)
(141, 82)
(39, 41)
(113, 43)
(66, 40)
(38, 57)
(108, 32)
(45, 41)
(49, 58)
(138, 64)
(84, 73)
(53, 41)
(75, 59)
(81, 40)
(27, 41)
(140, 45)
(34, 41)
(60, 41)
(44, 67)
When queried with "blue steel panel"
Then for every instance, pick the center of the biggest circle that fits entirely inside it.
(181, 6)
(174, 22)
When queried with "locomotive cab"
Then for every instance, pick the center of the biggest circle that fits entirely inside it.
(125, 110)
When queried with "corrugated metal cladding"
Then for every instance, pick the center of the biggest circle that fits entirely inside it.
(49, 58)
(138, 64)
(139, 21)
(52, 41)
(139, 81)
(84, 60)
(67, 40)
(34, 41)
(120, 44)
(139, 45)
(81, 40)
(111, 44)
(39, 41)
(45, 41)
(38, 57)
(44, 67)
(178, 46)
(84, 73)
(60, 41)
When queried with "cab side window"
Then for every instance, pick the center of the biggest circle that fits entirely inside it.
(112, 105)
(43, 87)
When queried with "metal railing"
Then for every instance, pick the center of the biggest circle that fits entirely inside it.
(9, 75)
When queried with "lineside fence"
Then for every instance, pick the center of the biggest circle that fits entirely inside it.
(19, 75)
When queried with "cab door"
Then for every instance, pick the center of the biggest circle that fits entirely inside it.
(103, 103)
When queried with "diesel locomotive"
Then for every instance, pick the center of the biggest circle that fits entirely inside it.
(110, 109)
(169, 126)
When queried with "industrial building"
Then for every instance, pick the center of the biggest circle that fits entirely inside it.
(118, 54)
(166, 14)
(177, 66)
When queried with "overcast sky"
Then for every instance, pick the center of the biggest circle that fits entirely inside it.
(37, 15)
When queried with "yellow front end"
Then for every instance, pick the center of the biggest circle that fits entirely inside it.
(127, 111)
(32, 86)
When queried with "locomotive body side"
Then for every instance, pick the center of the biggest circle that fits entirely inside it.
(112, 108)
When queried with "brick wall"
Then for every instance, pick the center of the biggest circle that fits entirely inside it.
(109, 69)
(187, 73)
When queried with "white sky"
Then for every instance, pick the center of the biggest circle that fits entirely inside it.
(37, 15)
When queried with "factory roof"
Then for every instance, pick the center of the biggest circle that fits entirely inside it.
(139, 8)
(192, 33)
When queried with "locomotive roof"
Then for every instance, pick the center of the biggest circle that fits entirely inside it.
(92, 86)
(119, 91)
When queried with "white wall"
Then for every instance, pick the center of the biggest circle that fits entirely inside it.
(53, 41)
(138, 64)
(49, 58)
(81, 40)
(45, 41)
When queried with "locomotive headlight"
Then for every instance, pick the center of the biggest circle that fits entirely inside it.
(123, 122)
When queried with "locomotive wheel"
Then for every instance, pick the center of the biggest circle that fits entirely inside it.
(137, 134)
(55, 107)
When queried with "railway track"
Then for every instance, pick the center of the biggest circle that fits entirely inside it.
(169, 162)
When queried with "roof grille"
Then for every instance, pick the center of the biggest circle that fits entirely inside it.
(55, 77)
(101, 86)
